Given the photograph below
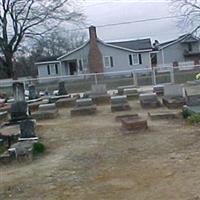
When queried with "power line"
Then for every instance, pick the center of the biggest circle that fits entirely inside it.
(131, 22)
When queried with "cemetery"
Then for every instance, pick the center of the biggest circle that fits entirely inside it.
(97, 138)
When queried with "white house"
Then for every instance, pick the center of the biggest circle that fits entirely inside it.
(96, 56)
(181, 51)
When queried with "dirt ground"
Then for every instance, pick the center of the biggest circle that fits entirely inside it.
(88, 158)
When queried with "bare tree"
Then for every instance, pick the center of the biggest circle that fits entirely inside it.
(21, 19)
(57, 43)
(189, 12)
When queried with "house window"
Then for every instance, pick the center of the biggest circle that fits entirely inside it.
(56, 68)
(48, 69)
(80, 65)
(140, 59)
(189, 46)
(130, 60)
(134, 59)
(52, 69)
(108, 61)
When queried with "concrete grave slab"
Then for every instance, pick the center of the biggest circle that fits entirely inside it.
(83, 110)
(119, 103)
(162, 115)
(84, 102)
(133, 124)
(173, 102)
(149, 100)
(66, 103)
(192, 109)
(173, 96)
(21, 150)
(46, 111)
(120, 89)
(12, 130)
(84, 107)
(120, 117)
(131, 93)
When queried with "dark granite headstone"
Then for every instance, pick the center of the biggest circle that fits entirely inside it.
(32, 92)
(61, 88)
(27, 128)
(19, 111)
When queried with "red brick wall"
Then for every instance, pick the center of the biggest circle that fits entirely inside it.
(95, 59)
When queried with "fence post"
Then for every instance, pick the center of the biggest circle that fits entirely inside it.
(95, 78)
(135, 81)
(172, 75)
(154, 76)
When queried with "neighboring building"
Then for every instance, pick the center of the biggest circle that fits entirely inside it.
(185, 49)
(97, 56)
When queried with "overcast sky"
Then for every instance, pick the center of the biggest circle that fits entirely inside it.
(119, 11)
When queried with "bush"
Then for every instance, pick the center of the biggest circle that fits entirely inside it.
(2, 149)
(38, 147)
(194, 119)
(185, 113)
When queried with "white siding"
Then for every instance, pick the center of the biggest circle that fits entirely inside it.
(121, 58)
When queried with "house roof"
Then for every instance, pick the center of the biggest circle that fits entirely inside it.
(142, 44)
(183, 39)
(46, 59)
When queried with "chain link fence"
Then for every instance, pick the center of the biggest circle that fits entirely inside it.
(83, 82)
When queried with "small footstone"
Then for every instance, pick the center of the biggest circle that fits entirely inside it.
(133, 124)
(162, 115)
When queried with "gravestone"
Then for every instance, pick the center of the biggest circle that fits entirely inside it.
(149, 100)
(99, 89)
(84, 102)
(84, 107)
(158, 89)
(18, 91)
(61, 88)
(192, 101)
(19, 109)
(131, 93)
(32, 92)
(46, 111)
(27, 129)
(99, 94)
(119, 103)
(173, 96)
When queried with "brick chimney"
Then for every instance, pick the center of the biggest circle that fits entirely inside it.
(95, 59)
